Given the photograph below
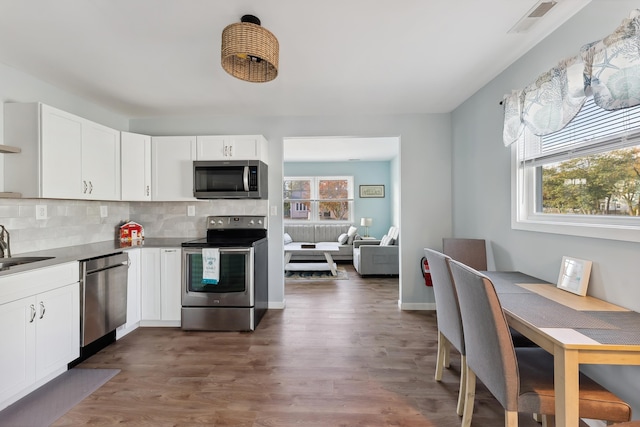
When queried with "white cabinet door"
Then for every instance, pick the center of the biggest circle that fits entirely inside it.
(232, 147)
(17, 358)
(135, 164)
(161, 291)
(150, 284)
(40, 335)
(100, 162)
(170, 279)
(212, 148)
(57, 329)
(172, 167)
(133, 293)
(61, 154)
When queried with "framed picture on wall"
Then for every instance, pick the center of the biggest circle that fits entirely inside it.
(574, 275)
(367, 191)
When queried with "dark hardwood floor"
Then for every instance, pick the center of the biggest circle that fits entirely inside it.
(341, 354)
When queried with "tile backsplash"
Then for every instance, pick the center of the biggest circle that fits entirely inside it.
(74, 222)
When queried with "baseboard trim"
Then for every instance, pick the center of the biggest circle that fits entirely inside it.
(277, 305)
(429, 306)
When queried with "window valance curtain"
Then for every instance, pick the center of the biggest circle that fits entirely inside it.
(608, 70)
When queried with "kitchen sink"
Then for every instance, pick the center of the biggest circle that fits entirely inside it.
(12, 262)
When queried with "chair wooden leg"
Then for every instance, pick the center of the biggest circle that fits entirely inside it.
(548, 421)
(440, 360)
(463, 385)
(510, 418)
(470, 395)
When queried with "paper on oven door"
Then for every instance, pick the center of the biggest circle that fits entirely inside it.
(210, 266)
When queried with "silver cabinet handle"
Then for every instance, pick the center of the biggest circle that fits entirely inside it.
(226, 150)
(33, 313)
(84, 185)
(148, 189)
(42, 309)
(231, 151)
(90, 187)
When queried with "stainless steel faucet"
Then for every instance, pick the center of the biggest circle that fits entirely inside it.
(5, 242)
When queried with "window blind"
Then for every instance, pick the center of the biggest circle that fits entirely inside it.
(593, 130)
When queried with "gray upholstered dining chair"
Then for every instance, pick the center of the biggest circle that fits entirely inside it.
(472, 252)
(448, 317)
(450, 331)
(521, 379)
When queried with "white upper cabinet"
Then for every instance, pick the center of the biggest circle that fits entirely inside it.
(63, 156)
(232, 147)
(135, 163)
(172, 167)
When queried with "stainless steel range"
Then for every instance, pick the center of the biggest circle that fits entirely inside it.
(237, 299)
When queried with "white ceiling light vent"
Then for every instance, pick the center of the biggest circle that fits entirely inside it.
(539, 10)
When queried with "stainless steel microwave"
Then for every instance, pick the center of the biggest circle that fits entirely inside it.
(229, 179)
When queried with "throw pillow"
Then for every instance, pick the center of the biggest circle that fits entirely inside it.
(342, 239)
(385, 241)
(287, 238)
(351, 233)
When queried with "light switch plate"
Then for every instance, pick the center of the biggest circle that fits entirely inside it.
(274, 210)
(41, 211)
(104, 211)
(191, 210)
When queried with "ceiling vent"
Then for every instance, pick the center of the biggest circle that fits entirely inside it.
(532, 16)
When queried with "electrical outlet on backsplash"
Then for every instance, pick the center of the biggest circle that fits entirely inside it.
(170, 219)
(76, 222)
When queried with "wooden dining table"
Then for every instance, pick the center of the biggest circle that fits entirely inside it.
(577, 330)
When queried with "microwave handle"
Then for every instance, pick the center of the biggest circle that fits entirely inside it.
(245, 178)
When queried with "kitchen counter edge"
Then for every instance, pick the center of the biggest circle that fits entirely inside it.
(88, 250)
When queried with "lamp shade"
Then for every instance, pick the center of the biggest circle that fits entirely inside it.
(366, 222)
(249, 51)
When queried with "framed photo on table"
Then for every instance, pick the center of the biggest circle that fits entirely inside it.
(369, 191)
(574, 275)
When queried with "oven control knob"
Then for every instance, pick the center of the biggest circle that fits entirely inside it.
(251, 222)
(220, 222)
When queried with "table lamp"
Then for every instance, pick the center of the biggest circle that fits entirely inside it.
(366, 223)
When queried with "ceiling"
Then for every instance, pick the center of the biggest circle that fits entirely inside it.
(160, 58)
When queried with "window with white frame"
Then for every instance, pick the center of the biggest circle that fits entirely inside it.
(318, 198)
(583, 179)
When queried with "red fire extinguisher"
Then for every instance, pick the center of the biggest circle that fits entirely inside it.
(426, 273)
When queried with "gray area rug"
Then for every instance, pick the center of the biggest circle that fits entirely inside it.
(316, 275)
(45, 405)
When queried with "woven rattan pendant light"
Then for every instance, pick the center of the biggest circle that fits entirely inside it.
(249, 51)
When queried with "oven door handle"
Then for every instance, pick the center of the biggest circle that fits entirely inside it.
(234, 250)
(245, 178)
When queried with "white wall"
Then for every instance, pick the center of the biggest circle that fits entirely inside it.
(482, 195)
(424, 216)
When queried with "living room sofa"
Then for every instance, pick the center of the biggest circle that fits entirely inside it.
(378, 257)
(317, 233)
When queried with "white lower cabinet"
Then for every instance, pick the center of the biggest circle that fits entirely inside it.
(39, 326)
(134, 277)
(161, 286)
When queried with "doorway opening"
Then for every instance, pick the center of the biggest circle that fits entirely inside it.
(361, 172)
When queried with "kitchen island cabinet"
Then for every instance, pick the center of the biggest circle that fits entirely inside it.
(63, 156)
(40, 328)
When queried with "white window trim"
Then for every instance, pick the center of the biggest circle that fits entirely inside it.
(314, 199)
(523, 218)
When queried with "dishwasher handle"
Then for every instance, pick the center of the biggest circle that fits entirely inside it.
(94, 265)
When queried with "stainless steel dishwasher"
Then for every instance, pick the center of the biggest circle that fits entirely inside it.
(103, 291)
